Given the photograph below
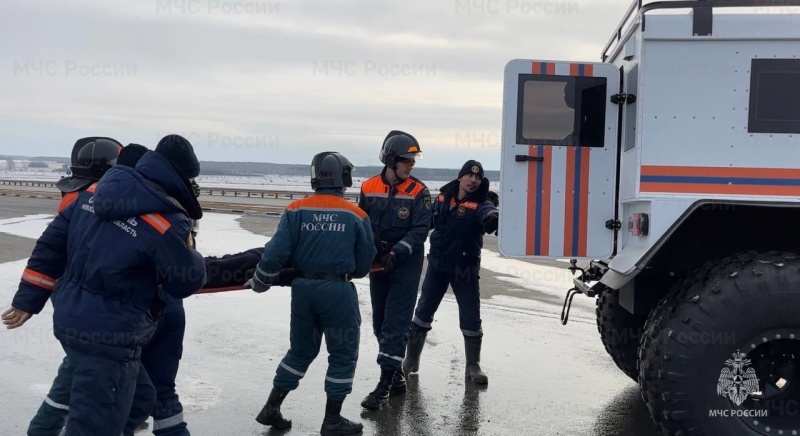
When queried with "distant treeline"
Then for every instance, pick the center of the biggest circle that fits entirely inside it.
(209, 168)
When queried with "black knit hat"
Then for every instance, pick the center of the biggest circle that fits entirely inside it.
(180, 153)
(471, 166)
(131, 154)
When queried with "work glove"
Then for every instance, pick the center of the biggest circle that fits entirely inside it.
(285, 277)
(494, 198)
(257, 285)
(490, 223)
(385, 264)
(381, 247)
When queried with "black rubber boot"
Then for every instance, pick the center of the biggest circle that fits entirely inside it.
(380, 395)
(271, 412)
(472, 348)
(398, 384)
(416, 340)
(335, 424)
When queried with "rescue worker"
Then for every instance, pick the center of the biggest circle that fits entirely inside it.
(399, 207)
(91, 158)
(321, 243)
(161, 355)
(464, 210)
(111, 250)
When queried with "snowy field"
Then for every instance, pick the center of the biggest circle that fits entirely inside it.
(269, 181)
(224, 345)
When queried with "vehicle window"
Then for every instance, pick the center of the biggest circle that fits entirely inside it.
(774, 93)
(561, 110)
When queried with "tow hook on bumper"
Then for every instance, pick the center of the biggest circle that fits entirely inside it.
(581, 286)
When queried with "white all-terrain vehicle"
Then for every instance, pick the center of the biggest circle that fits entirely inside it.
(669, 173)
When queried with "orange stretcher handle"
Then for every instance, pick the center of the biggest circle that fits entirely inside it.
(221, 289)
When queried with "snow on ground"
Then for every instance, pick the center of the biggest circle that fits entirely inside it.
(30, 226)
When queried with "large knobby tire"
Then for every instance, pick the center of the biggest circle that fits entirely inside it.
(620, 332)
(749, 302)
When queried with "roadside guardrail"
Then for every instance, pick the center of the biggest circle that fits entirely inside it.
(224, 191)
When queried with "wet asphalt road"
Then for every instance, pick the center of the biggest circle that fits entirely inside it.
(544, 378)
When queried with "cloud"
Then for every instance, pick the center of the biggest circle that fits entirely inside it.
(279, 81)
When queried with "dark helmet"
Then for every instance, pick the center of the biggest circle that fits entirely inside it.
(82, 178)
(95, 158)
(330, 169)
(398, 145)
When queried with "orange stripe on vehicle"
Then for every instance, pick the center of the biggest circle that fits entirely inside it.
(573, 69)
(39, 279)
(583, 217)
(530, 224)
(543, 68)
(157, 221)
(569, 200)
(547, 169)
(767, 173)
(704, 188)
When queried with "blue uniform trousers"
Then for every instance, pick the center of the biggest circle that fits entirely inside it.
(393, 296)
(161, 357)
(322, 308)
(465, 283)
(51, 417)
(106, 381)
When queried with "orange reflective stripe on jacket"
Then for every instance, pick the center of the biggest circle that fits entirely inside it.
(375, 187)
(70, 197)
(39, 279)
(327, 202)
(67, 199)
(157, 221)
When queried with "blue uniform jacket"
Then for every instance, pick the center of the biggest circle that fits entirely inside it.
(458, 226)
(320, 233)
(105, 256)
(400, 215)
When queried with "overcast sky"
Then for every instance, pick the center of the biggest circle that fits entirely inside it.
(278, 81)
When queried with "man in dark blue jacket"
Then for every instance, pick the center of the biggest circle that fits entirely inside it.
(91, 158)
(321, 242)
(399, 207)
(161, 356)
(111, 250)
(464, 210)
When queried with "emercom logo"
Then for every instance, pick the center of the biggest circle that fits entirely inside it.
(737, 381)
